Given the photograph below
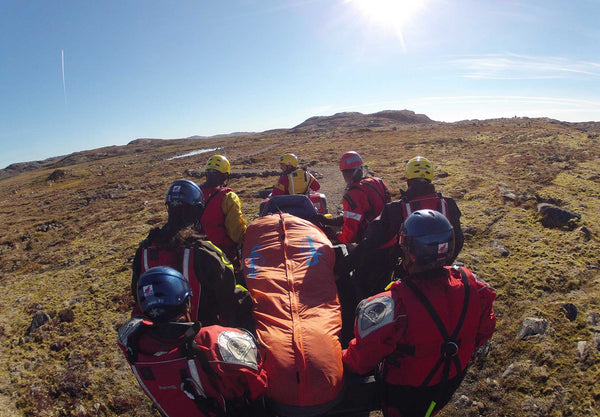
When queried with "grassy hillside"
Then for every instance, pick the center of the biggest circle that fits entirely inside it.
(68, 235)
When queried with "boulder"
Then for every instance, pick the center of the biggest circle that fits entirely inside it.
(39, 319)
(532, 326)
(555, 216)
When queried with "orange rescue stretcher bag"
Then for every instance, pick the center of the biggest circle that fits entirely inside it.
(288, 267)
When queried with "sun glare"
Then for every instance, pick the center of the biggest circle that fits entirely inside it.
(389, 15)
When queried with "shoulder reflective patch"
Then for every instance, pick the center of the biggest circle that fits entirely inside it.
(353, 216)
(127, 329)
(239, 348)
(375, 314)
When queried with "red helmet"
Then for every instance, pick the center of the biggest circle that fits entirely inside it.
(350, 160)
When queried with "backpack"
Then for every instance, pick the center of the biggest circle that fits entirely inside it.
(205, 379)
(298, 204)
(183, 259)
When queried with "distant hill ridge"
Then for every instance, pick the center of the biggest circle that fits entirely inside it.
(356, 119)
(387, 119)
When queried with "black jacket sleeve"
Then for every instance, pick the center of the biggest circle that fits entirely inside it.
(136, 271)
(385, 227)
(217, 300)
(454, 215)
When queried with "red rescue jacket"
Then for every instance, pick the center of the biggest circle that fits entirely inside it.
(362, 203)
(202, 372)
(418, 359)
(400, 329)
(213, 218)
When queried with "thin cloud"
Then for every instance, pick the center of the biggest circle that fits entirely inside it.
(523, 67)
(512, 99)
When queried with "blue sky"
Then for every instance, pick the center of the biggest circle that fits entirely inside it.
(82, 74)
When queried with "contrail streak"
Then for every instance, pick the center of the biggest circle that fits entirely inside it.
(62, 59)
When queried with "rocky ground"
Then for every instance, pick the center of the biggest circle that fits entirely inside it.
(69, 228)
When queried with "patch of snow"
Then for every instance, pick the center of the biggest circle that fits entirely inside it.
(198, 152)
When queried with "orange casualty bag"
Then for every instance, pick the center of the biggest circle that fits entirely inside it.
(288, 266)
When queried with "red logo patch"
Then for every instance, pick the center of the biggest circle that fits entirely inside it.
(442, 248)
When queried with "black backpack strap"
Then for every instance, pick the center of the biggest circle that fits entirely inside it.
(308, 179)
(351, 202)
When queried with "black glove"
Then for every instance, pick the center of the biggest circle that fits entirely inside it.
(330, 233)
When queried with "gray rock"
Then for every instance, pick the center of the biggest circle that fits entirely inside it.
(531, 326)
(593, 320)
(499, 249)
(555, 216)
(39, 319)
(509, 371)
(596, 340)
(463, 402)
(585, 232)
(582, 346)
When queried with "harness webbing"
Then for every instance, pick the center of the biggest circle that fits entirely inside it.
(443, 206)
(451, 344)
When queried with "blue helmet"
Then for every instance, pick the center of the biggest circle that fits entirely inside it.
(426, 241)
(163, 293)
(184, 192)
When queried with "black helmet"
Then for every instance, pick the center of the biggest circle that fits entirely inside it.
(426, 241)
(184, 192)
(163, 293)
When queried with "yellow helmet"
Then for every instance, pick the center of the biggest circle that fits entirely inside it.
(219, 163)
(419, 167)
(289, 159)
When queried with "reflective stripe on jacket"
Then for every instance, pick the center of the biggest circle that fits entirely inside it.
(299, 181)
(362, 203)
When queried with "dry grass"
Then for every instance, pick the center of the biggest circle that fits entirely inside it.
(66, 245)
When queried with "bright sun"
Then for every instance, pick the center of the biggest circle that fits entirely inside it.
(389, 15)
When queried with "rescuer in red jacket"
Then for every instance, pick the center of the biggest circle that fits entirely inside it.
(188, 370)
(294, 180)
(425, 328)
(176, 244)
(420, 194)
(384, 231)
(363, 201)
(222, 220)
